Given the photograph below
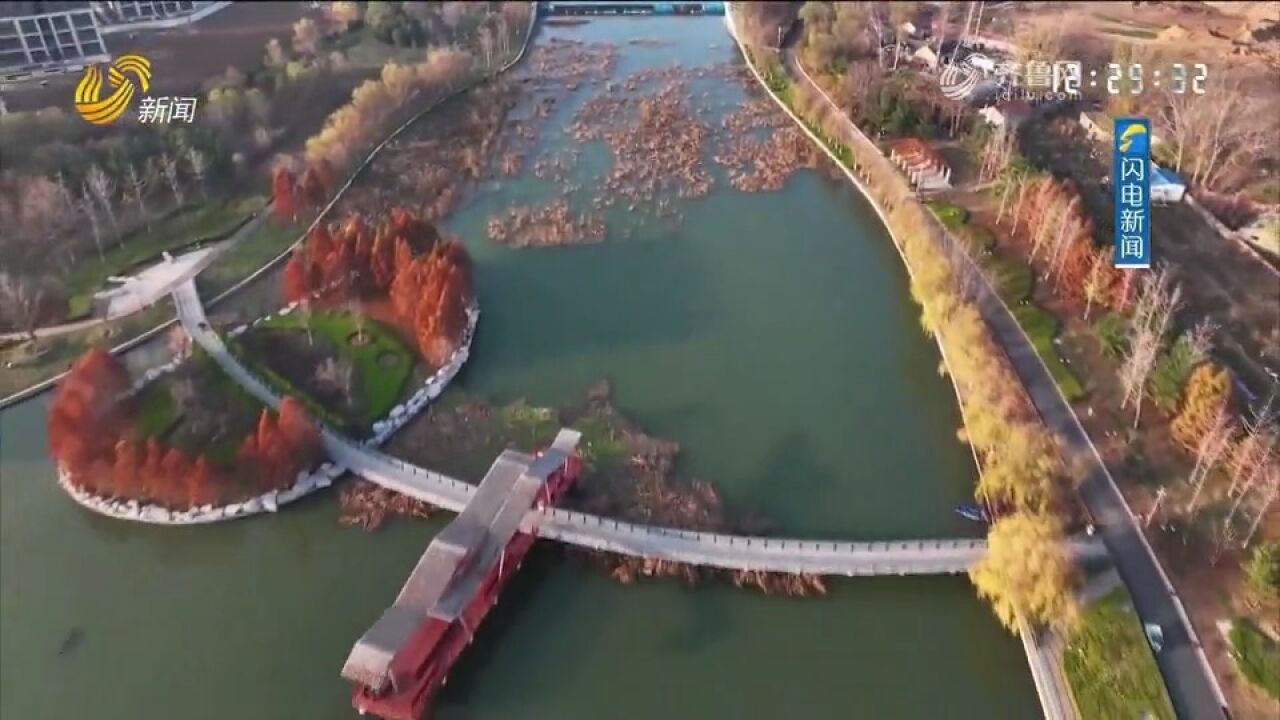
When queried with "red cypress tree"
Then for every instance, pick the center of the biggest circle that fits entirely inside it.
(319, 244)
(311, 189)
(175, 474)
(382, 264)
(87, 412)
(297, 280)
(284, 194)
(203, 489)
(297, 429)
(151, 473)
(125, 470)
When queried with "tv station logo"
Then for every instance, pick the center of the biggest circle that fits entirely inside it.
(126, 76)
(1131, 165)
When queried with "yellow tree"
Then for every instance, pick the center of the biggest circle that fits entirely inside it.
(1020, 470)
(1207, 391)
(1027, 572)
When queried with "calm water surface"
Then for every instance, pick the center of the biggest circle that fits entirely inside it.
(770, 334)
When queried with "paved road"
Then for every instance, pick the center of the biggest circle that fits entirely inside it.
(1191, 684)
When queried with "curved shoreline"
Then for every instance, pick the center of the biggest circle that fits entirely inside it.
(870, 198)
(1127, 545)
(33, 390)
(307, 482)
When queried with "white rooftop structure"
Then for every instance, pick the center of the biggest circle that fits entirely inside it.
(136, 292)
(459, 558)
(38, 37)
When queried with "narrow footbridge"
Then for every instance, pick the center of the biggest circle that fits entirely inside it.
(552, 9)
(737, 552)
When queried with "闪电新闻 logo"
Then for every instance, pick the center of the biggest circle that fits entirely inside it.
(125, 76)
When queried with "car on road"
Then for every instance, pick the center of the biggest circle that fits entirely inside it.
(1155, 636)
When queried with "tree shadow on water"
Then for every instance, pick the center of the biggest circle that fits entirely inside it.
(791, 469)
(543, 305)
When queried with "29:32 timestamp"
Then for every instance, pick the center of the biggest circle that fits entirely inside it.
(1135, 77)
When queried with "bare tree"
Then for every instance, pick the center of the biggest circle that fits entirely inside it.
(940, 24)
(1253, 456)
(1161, 494)
(1267, 497)
(1200, 340)
(1157, 301)
(87, 206)
(169, 165)
(306, 37)
(136, 185)
(336, 374)
(1024, 184)
(198, 164)
(485, 39)
(1208, 451)
(995, 156)
(22, 297)
(1094, 282)
(103, 189)
(1214, 132)
(275, 56)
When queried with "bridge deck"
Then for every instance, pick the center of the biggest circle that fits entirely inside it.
(899, 557)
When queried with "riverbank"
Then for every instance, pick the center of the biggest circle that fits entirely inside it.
(307, 482)
(1191, 683)
(744, 334)
(223, 294)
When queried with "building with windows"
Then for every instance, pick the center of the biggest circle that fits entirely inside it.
(117, 15)
(42, 37)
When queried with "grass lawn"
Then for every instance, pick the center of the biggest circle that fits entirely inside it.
(156, 412)
(1012, 280)
(600, 446)
(192, 223)
(1110, 666)
(267, 241)
(979, 239)
(1256, 655)
(1042, 328)
(952, 216)
(364, 50)
(382, 363)
(54, 355)
(219, 416)
(527, 425)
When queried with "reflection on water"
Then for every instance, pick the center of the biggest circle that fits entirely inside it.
(770, 334)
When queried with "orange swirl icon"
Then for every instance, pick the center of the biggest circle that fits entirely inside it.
(124, 75)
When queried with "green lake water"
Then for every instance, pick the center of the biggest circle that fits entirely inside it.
(771, 334)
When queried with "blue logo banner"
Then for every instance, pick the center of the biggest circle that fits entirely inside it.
(1131, 169)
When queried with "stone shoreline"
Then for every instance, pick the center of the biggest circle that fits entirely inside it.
(307, 482)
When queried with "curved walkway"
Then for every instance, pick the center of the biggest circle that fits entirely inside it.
(900, 557)
(1191, 683)
(36, 389)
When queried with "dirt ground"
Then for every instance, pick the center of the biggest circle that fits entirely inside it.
(1220, 279)
(1204, 586)
(1191, 30)
(184, 57)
